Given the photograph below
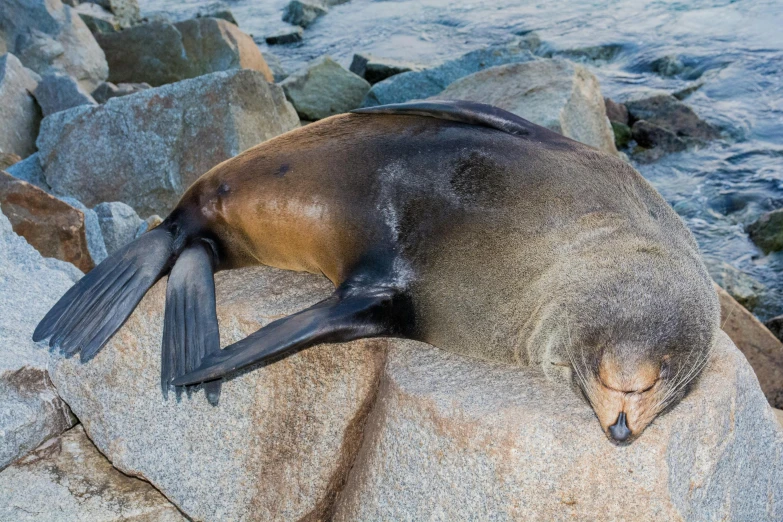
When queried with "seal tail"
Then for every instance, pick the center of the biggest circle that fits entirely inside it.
(190, 328)
(87, 316)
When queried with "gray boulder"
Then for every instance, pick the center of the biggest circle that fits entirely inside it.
(304, 12)
(557, 94)
(19, 114)
(30, 170)
(108, 90)
(57, 92)
(669, 113)
(98, 19)
(453, 438)
(92, 229)
(30, 409)
(280, 443)
(68, 480)
(119, 223)
(48, 36)
(126, 12)
(655, 141)
(374, 69)
(417, 85)
(324, 88)
(767, 231)
(287, 36)
(160, 53)
(275, 66)
(146, 149)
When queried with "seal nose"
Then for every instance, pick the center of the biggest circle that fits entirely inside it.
(619, 430)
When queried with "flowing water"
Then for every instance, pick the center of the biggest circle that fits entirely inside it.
(731, 51)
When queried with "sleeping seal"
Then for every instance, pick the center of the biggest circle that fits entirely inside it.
(453, 223)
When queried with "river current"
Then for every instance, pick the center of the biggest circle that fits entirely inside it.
(728, 53)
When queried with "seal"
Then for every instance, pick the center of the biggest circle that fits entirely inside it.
(453, 223)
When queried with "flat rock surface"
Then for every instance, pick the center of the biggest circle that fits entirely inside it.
(19, 114)
(146, 149)
(557, 94)
(158, 53)
(453, 438)
(48, 36)
(68, 480)
(30, 409)
(279, 444)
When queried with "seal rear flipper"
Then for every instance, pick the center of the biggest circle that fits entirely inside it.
(345, 316)
(94, 308)
(461, 111)
(190, 328)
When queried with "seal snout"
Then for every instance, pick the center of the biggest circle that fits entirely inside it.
(619, 430)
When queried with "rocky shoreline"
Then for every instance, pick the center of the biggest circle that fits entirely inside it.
(110, 115)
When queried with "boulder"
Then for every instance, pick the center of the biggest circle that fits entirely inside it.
(275, 66)
(108, 90)
(158, 53)
(53, 227)
(92, 229)
(98, 19)
(119, 223)
(762, 349)
(767, 231)
(557, 94)
(374, 69)
(417, 85)
(175, 13)
(68, 480)
(126, 12)
(280, 443)
(8, 159)
(671, 114)
(616, 112)
(655, 141)
(286, 36)
(304, 12)
(48, 36)
(775, 325)
(453, 438)
(57, 92)
(146, 149)
(18, 111)
(741, 286)
(30, 170)
(30, 409)
(324, 88)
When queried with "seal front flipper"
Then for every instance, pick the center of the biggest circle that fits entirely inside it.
(190, 328)
(350, 313)
(94, 308)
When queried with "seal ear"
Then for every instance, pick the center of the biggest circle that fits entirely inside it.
(190, 327)
(345, 316)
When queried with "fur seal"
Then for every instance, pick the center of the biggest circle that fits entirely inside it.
(453, 223)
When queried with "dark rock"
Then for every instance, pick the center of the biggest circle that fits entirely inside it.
(57, 92)
(288, 36)
(20, 116)
(374, 69)
(650, 135)
(98, 19)
(303, 13)
(159, 53)
(622, 134)
(767, 231)
(616, 111)
(414, 85)
(668, 112)
(775, 326)
(324, 88)
(595, 53)
(127, 12)
(108, 90)
(48, 36)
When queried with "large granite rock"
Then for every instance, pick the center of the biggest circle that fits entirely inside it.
(453, 438)
(767, 231)
(324, 88)
(48, 36)
(57, 92)
(51, 226)
(281, 441)
(19, 114)
(146, 149)
(119, 223)
(557, 94)
(417, 85)
(30, 170)
(158, 53)
(68, 480)
(30, 409)
(762, 349)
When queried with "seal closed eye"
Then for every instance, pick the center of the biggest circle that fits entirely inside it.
(452, 223)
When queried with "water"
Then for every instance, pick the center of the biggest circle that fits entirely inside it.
(734, 50)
